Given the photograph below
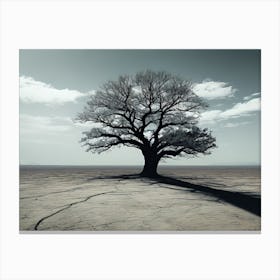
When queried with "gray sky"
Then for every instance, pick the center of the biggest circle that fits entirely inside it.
(54, 86)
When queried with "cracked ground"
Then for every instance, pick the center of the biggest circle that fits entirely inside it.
(98, 199)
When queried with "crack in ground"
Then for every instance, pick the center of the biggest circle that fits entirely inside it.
(68, 206)
(42, 195)
(106, 224)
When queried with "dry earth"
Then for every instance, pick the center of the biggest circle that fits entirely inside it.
(92, 199)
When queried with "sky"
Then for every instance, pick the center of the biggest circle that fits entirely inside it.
(55, 85)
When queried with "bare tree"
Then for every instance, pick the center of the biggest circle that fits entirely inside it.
(155, 112)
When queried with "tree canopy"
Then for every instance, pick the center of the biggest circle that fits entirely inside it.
(156, 112)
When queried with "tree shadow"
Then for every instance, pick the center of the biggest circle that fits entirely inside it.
(245, 201)
(250, 203)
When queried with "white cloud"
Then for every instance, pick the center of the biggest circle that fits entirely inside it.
(32, 91)
(210, 116)
(87, 125)
(42, 125)
(256, 94)
(241, 109)
(251, 96)
(230, 124)
(238, 110)
(213, 89)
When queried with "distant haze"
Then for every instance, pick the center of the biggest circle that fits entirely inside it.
(55, 85)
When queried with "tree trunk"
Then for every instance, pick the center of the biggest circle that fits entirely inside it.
(150, 167)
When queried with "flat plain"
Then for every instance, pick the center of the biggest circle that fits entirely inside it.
(110, 199)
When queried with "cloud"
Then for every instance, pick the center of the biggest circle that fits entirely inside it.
(251, 96)
(32, 91)
(230, 124)
(238, 110)
(87, 125)
(42, 125)
(213, 89)
(210, 116)
(241, 109)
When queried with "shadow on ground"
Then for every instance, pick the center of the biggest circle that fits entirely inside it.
(250, 203)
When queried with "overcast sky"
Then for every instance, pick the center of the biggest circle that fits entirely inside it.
(55, 84)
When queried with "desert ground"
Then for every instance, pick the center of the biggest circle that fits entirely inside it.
(98, 199)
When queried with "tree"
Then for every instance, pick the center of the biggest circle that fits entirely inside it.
(155, 112)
